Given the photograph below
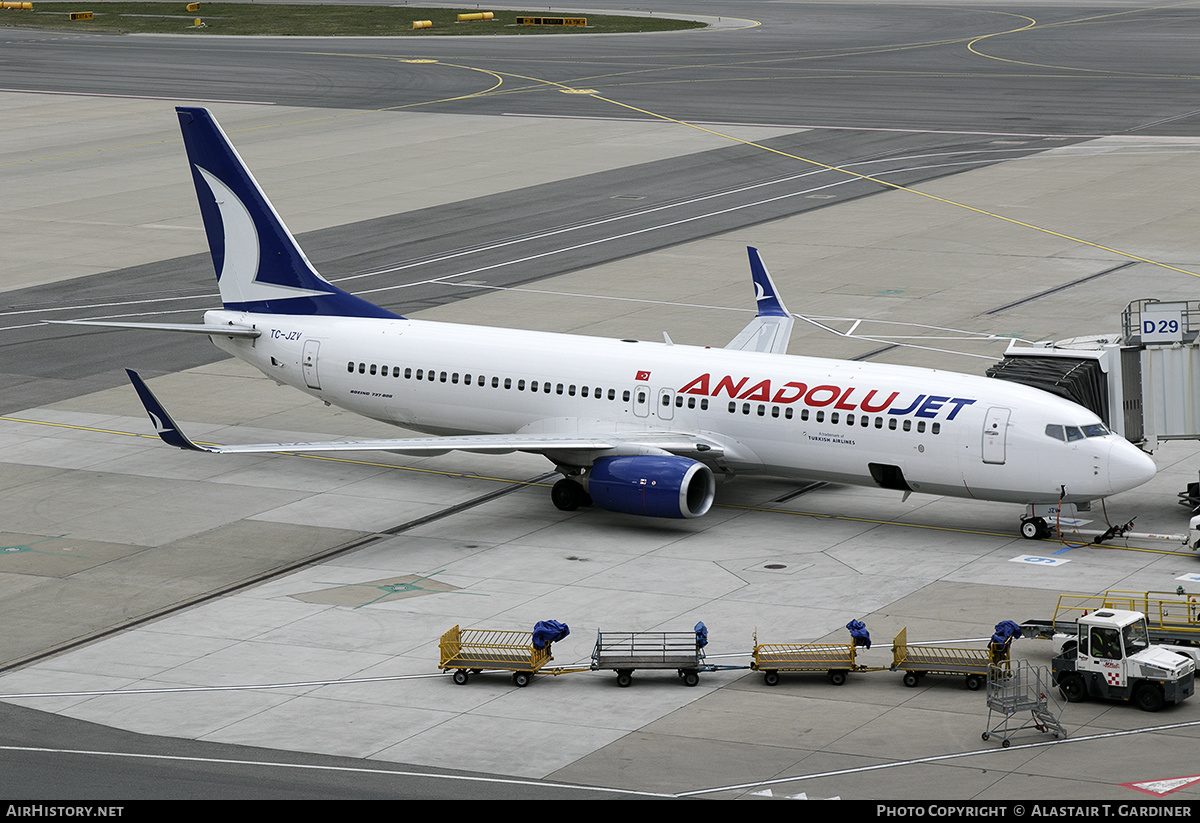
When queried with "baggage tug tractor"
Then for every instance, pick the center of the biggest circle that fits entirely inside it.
(1111, 658)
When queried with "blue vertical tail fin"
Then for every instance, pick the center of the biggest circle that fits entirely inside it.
(260, 267)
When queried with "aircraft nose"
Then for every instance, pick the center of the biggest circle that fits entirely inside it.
(1128, 466)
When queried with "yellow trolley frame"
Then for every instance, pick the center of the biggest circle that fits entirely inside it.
(835, 659)
(471, 651)
(919, 659)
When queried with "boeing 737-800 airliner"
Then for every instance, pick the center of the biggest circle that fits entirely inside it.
(634, 427)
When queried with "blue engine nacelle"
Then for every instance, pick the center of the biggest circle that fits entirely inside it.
(653, 485)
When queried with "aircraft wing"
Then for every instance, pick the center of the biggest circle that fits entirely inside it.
(549, 443)
(771, 329)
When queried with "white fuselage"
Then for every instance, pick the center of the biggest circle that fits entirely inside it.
(899, 427)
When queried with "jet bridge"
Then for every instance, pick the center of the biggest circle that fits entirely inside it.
(1144, 382)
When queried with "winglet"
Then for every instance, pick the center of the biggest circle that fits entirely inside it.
(771, 328)
(166, 427)
(770, 304)
(260, 266)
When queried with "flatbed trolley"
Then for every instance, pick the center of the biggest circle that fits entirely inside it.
(918, 660)
(471, 651)
(1171, 617)
(835, 659)
(1020, 705)
(626, 652)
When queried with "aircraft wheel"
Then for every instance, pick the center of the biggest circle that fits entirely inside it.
(1034, 528)
(566, 495)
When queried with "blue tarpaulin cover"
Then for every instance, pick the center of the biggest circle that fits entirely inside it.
(858, 630)
(546, 632)
(1006, 631)
(701, 635)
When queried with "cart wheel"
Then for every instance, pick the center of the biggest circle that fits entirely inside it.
(974, 681)
(624, 679)
(460, 677)
(837, 677)
(521, 679)
(911, 679)
(771, 678)
(986, 737)
(1006, 743)
(690, 678)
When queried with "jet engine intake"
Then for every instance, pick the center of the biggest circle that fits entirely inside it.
(652, 485)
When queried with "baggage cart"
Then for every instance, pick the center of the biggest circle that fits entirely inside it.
(471, 651)
(835, 659)
(918, 660)
(626, 652)
(1012, 692)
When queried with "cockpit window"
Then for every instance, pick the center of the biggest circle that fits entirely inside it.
(1072, 433)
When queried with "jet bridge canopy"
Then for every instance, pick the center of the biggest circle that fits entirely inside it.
(1144, 383)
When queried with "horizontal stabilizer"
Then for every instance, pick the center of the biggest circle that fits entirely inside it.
(184, 328)
(771, 329)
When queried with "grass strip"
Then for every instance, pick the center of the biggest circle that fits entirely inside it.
(311, 20)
